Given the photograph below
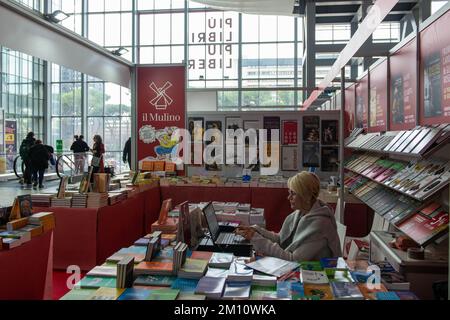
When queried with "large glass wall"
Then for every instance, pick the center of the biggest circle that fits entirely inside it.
(22, 98)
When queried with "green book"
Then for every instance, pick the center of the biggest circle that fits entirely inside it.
(90, 282)
(339, 275)
(263, 288)
(190, 296)
(163, 294)
(311, 265)
(78, 294)
(154, 280)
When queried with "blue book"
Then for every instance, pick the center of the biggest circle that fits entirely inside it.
(142, 242)
(185, 285)
(390, 295)
(361, 276)
(135, 294)
(154, 280)
(284, 290)
(338, 263)
(297, 290)
(134, 249)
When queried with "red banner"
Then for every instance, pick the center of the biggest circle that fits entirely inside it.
(403, 78)
(349, 110)
(290, 132)
(362, 102)
(435, 72)
(161, 109)
(378, 98)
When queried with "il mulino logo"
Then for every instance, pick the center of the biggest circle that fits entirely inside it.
(238, 147)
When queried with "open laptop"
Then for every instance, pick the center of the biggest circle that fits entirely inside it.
(225, 241)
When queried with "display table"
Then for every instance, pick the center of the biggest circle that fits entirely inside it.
(152, 206)
(180, 194)
(26, 271)
(87, 236)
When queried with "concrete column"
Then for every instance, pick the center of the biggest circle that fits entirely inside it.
(309, 71)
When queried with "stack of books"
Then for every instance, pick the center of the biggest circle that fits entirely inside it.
(238, 271)
(97, 200)
(125, 272)
(114, 186)
(169, 226)
(44, 219)
(230, 207)
(193, 269)
(257, 217)
(237, 290)
(114, 198)
(62, 202)
(13, 239)
(41, 200)
(179, 255)
(221, 260)
(244, 207)
(154, 268)
(79, 200)
(211, 287)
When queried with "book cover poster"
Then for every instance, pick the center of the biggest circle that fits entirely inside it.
(289, 158)
(435, 72)
(217, 124)
(195, 128)
(290, 132)
(10, 142)
(330, 132)
(349, 109)
(25, 205)
(311, 128)
(403, 92)
(271, 123)
(330, 159)
(362, 103)
(378, 98)
(311, 157)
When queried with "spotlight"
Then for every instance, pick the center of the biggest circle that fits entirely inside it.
(119, 51)
(56, 17)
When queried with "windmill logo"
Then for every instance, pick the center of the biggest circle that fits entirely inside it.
(161, 100)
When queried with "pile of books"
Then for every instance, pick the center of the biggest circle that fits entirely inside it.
(44, 219)
(62, 202)
(179, 255)
(114, 197)
(257, 217)
(79, 200)
(13, 239)
(125, 272)
(97, 200)
(193, 269)
(41, 200)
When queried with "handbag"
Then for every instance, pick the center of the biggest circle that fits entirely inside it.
(95, 162)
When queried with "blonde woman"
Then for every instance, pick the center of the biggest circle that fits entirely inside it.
(309, 233)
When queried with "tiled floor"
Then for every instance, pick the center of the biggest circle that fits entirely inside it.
(11, 189)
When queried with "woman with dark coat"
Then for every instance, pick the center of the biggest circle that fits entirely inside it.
(39, 155)
(98, 150)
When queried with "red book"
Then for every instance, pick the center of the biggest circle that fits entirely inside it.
(201, 255)
(423, 229)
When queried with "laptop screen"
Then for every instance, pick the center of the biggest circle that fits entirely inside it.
(211, 219)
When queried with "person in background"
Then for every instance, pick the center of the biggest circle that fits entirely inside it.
(24, 152)
(98, 150)
(307, 234)
(39, 155)
(79, 148)
(126, 156)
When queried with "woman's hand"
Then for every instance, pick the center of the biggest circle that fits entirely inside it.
(246, 232)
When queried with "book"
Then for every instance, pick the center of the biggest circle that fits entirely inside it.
(236, 290)
(322, 291)
(90, 282)
(103, 271)
(389, 295)
(79, 294)
(25, 205)
(217, 273)
(106, 294)
(272, 266)
(163, 294)
(314, 277)
(135, 294)
(154, 280)
(221, 260)
(154, 268)
(369, 293)
(339, 275)
(201, 255)
(426, 142)
(185, 285)
(16, 224)
(311, 265)
(239, 271)
(125, 268)
(346, 291)
(193, 269)
(166, 206)
(211, 287)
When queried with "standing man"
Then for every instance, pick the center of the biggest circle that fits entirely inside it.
(79, 148)
(24, 152)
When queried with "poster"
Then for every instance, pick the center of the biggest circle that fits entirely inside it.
(349, 115)
(215, 125)
(10, 142)
(329, 159)
(378, 98)
(271, 123)
(311, 156)
(161, 110)
(196, 128)
(290, 132)
(311, 128)
(403, 93)
(435, 72)
(362, 108)
(330, 132)
(289, 158)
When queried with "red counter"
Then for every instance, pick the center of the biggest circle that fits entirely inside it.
(26, 271)
(275, 203)
(152, 198)
(180, 194)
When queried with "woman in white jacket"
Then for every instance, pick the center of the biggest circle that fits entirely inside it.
(309, 233)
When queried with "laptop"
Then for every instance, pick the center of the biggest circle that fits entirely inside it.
(225, 241)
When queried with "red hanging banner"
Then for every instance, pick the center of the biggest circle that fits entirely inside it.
(161, 109)
(290, 132)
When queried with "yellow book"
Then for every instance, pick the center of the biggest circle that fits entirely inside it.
(107, 294)
(323, 291)
(16, 224)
